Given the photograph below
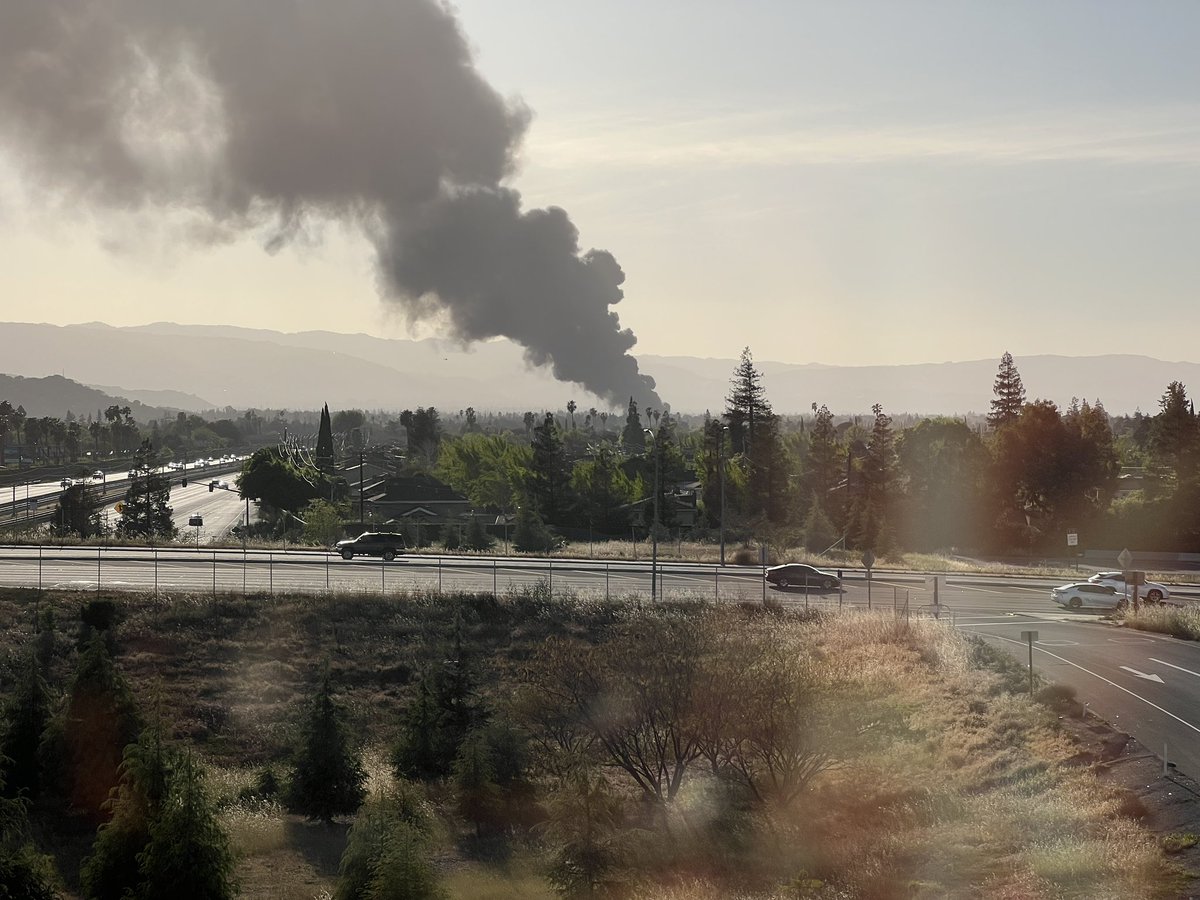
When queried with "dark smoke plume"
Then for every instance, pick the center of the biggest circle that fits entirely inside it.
(261, 113)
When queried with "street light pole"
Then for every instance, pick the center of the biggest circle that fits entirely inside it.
(721, 469)
(654, 526)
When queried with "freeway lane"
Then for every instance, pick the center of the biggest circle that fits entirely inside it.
(317, 571)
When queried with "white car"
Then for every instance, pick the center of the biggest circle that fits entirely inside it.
(1086, 593)
(1150, 590)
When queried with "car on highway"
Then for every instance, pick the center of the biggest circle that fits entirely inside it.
(1088, 594)
(1150, 590)
(801, 575)
(372, 543)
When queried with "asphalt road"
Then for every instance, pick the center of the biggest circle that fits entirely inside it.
(221, 510)
(1146, 684)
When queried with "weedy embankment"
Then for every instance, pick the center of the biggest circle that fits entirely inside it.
(541, 746)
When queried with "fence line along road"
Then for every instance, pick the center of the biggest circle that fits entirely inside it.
(175, 568)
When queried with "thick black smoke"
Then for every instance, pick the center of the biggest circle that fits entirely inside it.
(257, 112)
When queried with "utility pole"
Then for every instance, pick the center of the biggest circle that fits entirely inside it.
(362, 521)
(654, 526)
(721, 469)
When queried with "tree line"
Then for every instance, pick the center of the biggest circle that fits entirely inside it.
(1014, 482)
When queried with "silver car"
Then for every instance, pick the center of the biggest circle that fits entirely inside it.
(1150, 590)
(1085, 593)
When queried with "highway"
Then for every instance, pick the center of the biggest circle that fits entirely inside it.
(34, 502)
(1145, 684)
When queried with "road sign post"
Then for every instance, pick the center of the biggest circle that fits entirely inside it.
(1030, 637)
(868, 561)
(762, 558)
(1125, 561)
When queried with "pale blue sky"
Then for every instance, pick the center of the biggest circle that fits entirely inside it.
(829, 182)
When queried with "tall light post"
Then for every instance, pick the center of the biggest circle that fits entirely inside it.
(721, 470)
(654, 525)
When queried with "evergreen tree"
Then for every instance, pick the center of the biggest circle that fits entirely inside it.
(327, 773)
(476, 794)
(746, 406)
(713, 455)
(872, 503)
(25, 874)
(436, 722)
(603, 489)
(324, 452)
(824, 457)
(1175, 434)
(633, 438)
(77, 513)
(147, 505)
(111, 872)
(417, 751)
(529, 532)
(754, 433)
(188, 855)
(477, 536)
(396, 819)
(84, 744)
(1010, 394)
(25, 719)
(549, 475)
(819, 532)
(660, 449)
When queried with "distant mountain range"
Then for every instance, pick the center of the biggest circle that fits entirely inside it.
(199, 368)
(54, 395)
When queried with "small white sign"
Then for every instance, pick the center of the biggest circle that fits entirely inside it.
(1072, 539)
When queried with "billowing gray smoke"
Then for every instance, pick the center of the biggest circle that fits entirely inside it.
(278, 111)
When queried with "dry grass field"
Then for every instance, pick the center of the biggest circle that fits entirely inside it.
(938, 776)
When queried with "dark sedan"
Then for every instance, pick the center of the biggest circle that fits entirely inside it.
(801, 575)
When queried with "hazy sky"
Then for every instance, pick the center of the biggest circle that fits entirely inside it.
(839, 182)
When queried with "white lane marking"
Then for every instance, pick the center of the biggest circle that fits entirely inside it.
(1024, 620)
(1142, 674)
(1015, 587)
(1062, 643)
(1130, 641)
(1102, 678)
(1173, 666)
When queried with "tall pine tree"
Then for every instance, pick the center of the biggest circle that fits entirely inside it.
(633, 439)
(327, 773)
(188, 855)
(549, 477)
(84, 744)
(1010, 394)
(754, 433)
(873, 503)
(26, 718)
(147, 504)
(324, 453)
